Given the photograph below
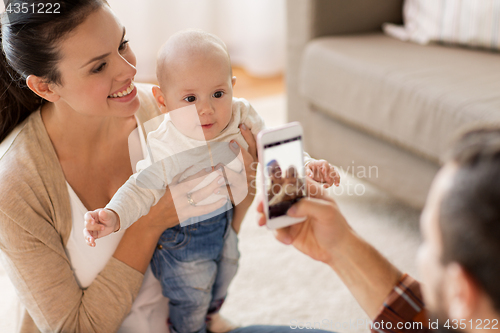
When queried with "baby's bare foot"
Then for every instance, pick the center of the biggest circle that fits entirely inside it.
(219, 324)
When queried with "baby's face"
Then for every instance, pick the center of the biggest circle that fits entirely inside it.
(205, 81)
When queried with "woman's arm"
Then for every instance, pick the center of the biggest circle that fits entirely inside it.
(327, 237)
(137, 245)
(140, 240)
(34, 258)
(240, 211)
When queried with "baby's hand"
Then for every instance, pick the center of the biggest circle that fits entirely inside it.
(323, 172)
(99, 223)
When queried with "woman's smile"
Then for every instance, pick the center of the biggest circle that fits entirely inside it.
(123, 91)
(124, 94)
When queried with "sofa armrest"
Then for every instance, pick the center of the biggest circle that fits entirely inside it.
(334, 17)
(308, 19)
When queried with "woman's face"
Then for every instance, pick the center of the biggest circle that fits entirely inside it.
(97, 66)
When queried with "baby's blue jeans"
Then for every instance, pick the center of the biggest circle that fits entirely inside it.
(195, 265)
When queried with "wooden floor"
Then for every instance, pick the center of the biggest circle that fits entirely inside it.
(250, 87)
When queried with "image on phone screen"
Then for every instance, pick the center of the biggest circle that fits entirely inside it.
(283, 175)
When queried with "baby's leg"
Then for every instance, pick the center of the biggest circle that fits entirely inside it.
(227, 266)
(186, 265)
(190, 296)
(187, 284)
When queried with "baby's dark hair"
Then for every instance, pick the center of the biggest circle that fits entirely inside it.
(30, 47)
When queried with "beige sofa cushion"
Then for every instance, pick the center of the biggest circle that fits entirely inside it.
(415, 96)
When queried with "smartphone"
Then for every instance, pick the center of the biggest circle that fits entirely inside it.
(281, 162)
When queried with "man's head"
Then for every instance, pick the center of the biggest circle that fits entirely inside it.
(193, 68)
(274, 171)
(459, 258)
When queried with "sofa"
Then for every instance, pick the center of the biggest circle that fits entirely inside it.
(379, 108)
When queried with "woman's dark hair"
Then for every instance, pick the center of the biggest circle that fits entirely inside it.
(30, 47)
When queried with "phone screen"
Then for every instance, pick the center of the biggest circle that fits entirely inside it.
(284, 176)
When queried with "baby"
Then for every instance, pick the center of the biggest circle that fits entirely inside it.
(194, 261)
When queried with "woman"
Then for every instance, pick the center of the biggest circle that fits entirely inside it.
(68, 94)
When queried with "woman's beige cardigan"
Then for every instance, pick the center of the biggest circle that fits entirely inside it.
(35, 223)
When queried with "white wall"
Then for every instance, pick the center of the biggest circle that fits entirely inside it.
(254, 30)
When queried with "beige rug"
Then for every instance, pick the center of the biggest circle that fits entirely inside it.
(276, 284)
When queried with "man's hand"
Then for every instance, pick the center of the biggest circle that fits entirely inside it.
(326, 236)
(321, 233)
(100, 223)
(323, 172)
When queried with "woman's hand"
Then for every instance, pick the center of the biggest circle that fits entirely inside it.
(140, 239)
(241, 184)
(179, 201)
(248, 158)
(321, 233)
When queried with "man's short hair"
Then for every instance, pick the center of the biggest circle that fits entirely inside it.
(470, 210)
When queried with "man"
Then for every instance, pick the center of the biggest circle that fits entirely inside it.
(459, 258)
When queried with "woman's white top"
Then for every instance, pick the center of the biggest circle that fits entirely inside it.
(149, 311)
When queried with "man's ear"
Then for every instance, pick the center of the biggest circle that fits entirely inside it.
(42, 88)
(462, 292)
(160, 99)
(233, 80)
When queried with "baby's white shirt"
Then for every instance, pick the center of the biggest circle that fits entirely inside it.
(170, 152)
